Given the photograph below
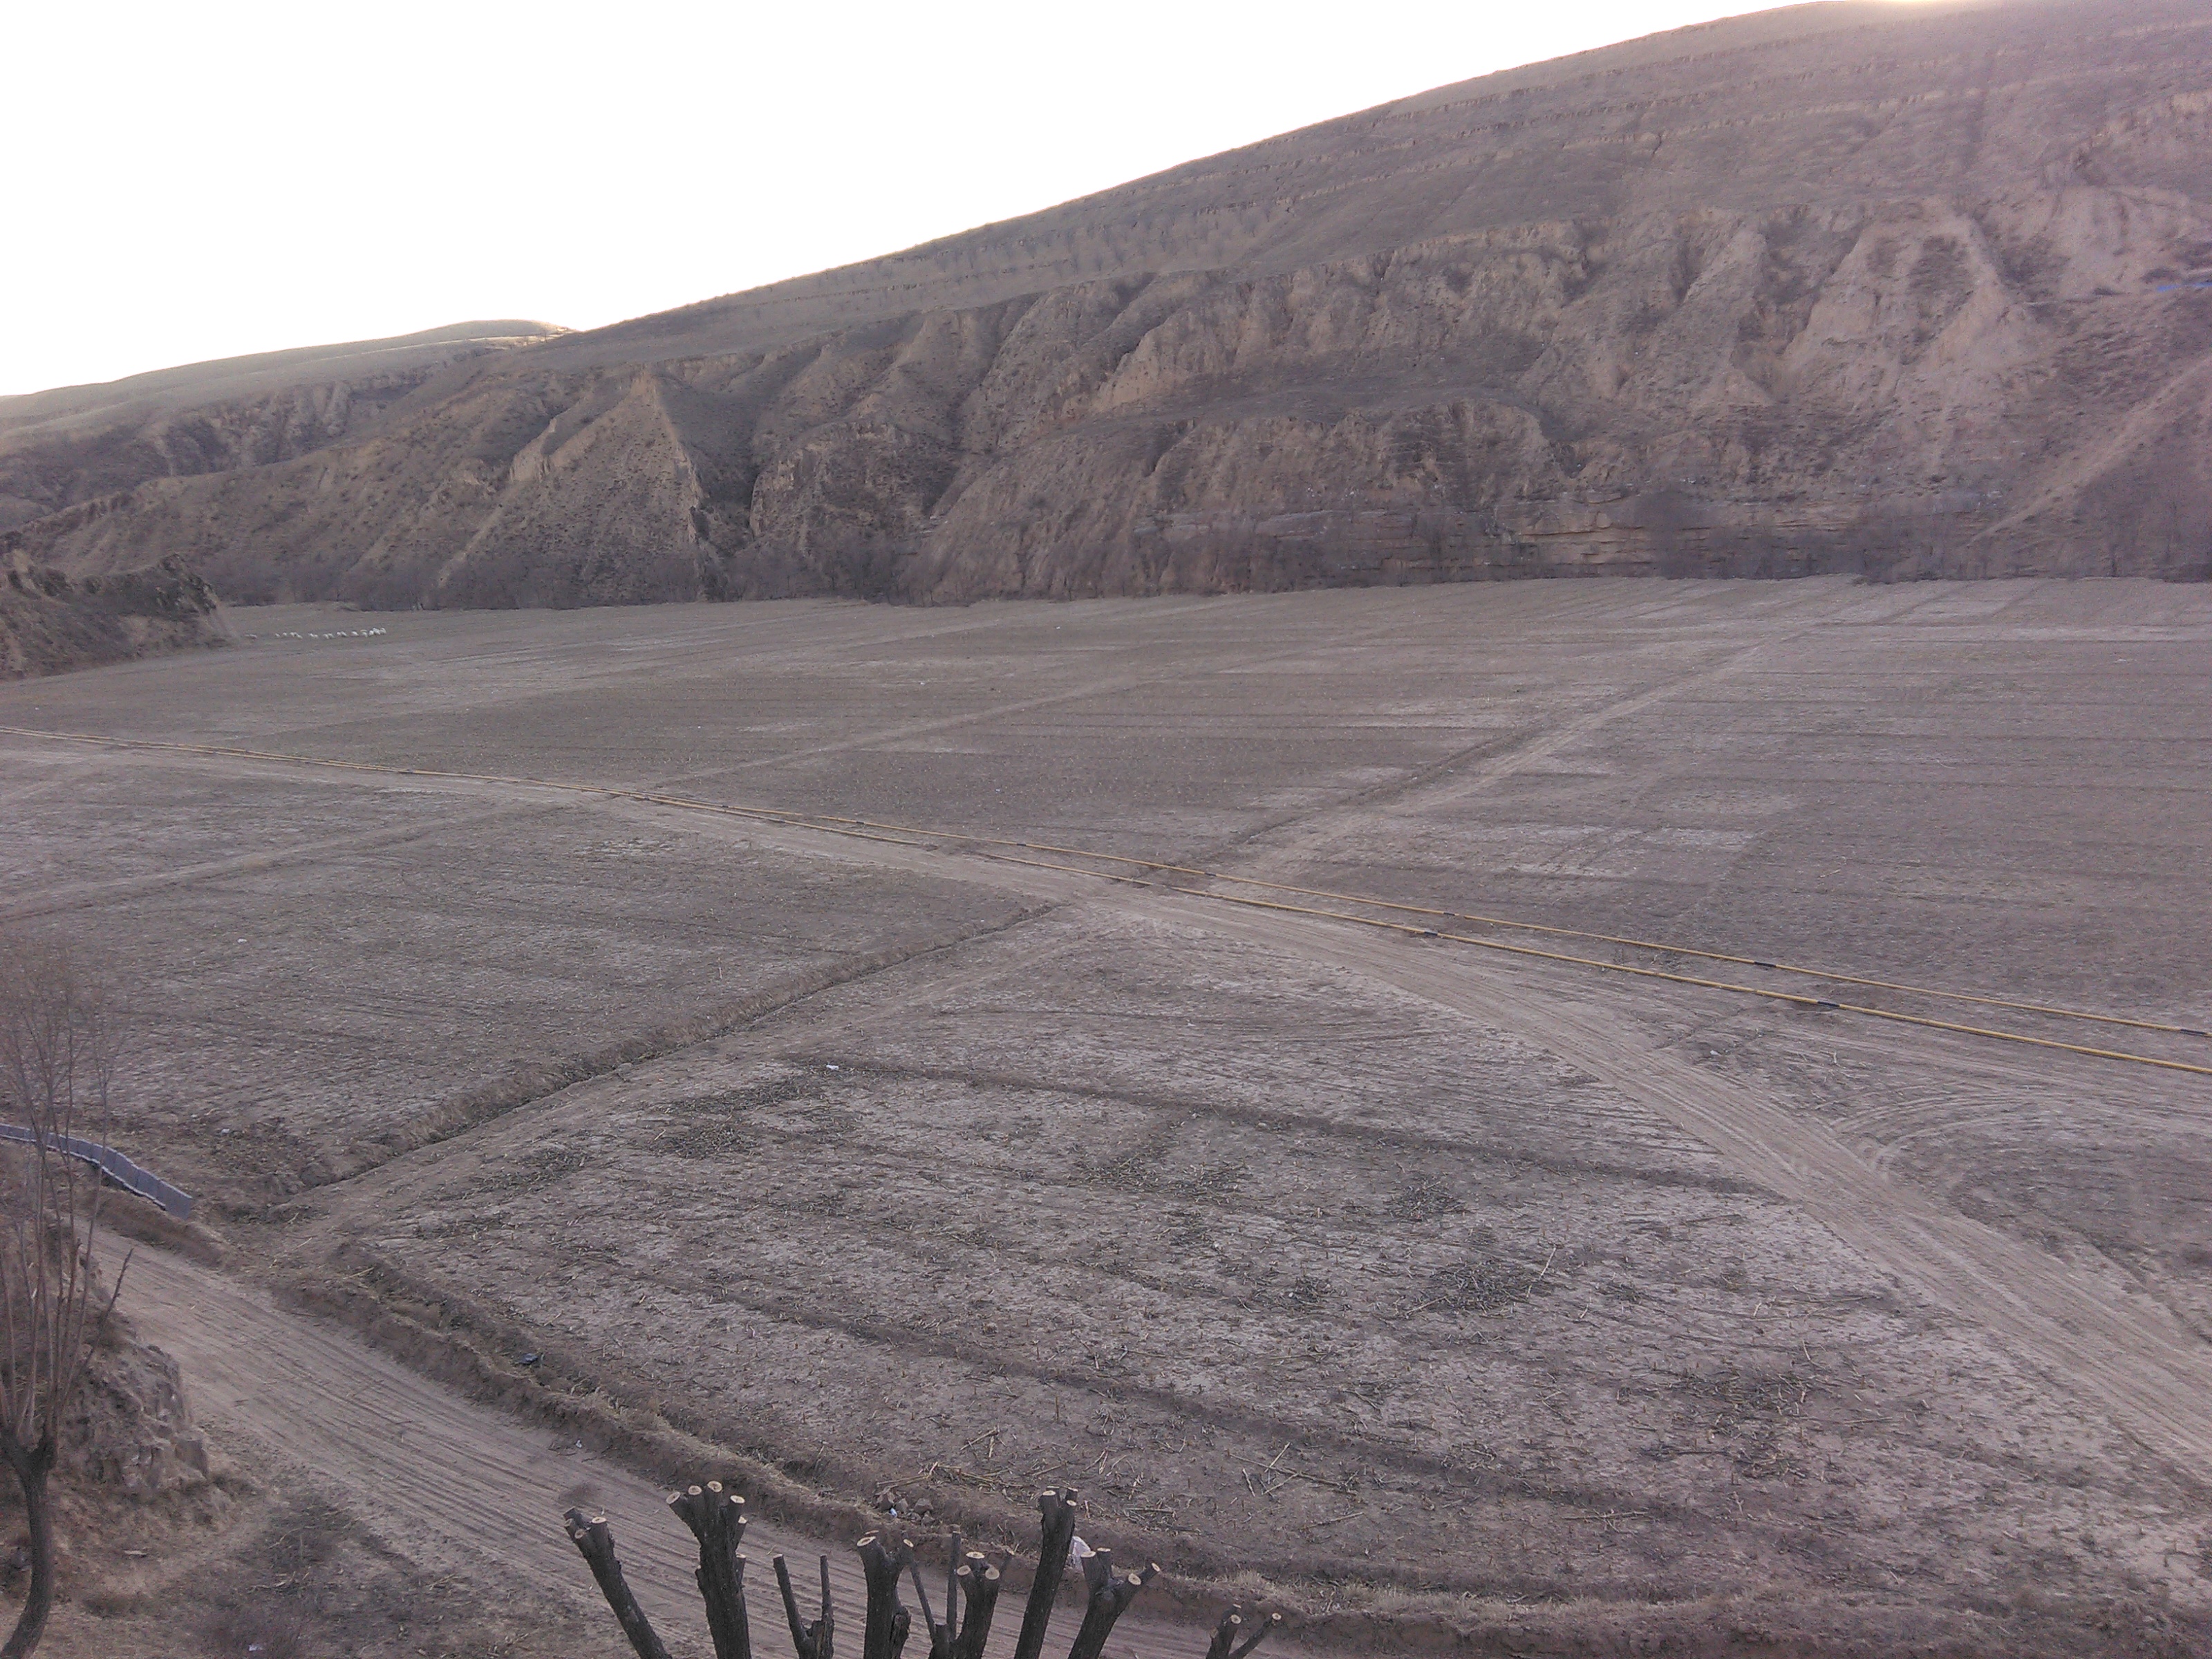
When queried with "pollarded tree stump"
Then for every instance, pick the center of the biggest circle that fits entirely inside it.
(979, 1576)
(716, 1515)
(1110, 1595)
(1056, 1505)
(888, 1620)
(596, 1544)
(1225, 1646)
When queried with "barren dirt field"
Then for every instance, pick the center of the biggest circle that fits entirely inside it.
(1433, 1292)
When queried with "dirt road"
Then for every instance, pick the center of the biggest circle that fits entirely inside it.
(460, 1484)
(2132, 1357)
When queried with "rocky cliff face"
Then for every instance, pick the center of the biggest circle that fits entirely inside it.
(62, 469)
(49, 621)
(1843, 288)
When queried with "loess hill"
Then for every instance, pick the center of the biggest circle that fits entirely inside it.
(49, 621)
(1840, 288)
(93, 443)
(79, 442)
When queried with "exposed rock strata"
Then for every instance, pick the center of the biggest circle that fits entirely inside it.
(1844, 287)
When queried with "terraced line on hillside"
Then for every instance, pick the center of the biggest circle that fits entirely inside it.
(997, 850)
(1477, 765)
(457, 1116)
(79, 895)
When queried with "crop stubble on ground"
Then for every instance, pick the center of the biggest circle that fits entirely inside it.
(926, 1172)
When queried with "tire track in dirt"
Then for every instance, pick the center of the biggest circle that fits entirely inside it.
(2141, 1364)
(1451, 777)
(450, 1482)
(2138, 1362)
(1113, 685)
(1042, 884)
(447, 1481)
(459, 1115)
(78, 896)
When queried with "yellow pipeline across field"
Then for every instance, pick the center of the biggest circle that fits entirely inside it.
(911, 835)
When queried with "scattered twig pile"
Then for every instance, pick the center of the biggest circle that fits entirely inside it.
(1483, 1283)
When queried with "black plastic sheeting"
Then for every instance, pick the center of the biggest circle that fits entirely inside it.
(115, 1166)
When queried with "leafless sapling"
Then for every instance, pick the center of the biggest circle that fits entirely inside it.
(55, 1062)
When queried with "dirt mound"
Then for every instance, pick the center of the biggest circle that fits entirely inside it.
(132, 1433)
(51, 621)
(133, 1477)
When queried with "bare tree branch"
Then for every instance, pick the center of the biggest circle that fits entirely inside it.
(815, 1640)
(56, 1066)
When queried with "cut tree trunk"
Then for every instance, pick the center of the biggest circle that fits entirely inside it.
(979, 1586)
(32, 1465)
(1056, 1504)
(596, 1544)
(1224, 1645)
(881, 1563)
(716, 1517)
(1110, 1594)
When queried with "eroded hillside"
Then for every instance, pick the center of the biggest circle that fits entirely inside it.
(78, 443)
(1841, 288)
(49, 621)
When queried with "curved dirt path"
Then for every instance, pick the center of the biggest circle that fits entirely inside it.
(453, 1482)
(2125, 1354)
(2131, 1355)
(2128, 1356)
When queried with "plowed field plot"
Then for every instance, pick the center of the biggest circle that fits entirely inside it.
(731, 1006)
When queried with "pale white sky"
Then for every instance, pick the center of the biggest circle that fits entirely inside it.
(194, 181)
